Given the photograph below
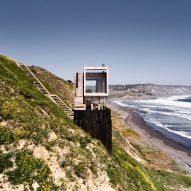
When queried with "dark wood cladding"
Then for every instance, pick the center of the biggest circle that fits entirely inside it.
(97, 123)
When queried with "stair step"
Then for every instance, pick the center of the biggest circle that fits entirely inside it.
(53, 96)
(61, 104)
(37, 83)
(44, 92)
(41, 88)
(65, 109)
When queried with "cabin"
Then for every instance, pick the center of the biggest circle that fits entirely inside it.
(91, 88)
(90, 99)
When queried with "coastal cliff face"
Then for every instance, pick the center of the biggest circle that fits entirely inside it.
(148, 90)
(42, 149)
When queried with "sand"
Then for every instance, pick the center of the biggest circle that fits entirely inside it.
(178, 152)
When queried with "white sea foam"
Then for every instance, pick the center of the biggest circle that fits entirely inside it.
(160, 125)
(123, 104)
(170, 101)
(163, 111)
(173, 114)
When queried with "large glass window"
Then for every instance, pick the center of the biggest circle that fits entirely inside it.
(95, 81)
(91, 86)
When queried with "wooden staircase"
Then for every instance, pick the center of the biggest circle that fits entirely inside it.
(53, 97)
(61, 103)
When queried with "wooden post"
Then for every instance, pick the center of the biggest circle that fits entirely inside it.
(97, 123)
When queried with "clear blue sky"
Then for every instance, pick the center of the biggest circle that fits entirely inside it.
(142, 41)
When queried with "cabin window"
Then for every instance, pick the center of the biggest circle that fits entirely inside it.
(95, 81)
(91, 86)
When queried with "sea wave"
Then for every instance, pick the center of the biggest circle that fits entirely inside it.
(170, 101)
(167, 127)
(167, 114)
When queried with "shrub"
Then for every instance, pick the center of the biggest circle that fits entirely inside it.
(5, 161)
(70, 176)
(80, 170)
(17, 109)
(30, 169)
(6, 136)
(84, 141)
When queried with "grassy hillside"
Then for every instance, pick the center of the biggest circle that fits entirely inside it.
(42, 149)
(54, 84)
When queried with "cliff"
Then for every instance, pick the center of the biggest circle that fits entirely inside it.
(42, 149)
(147, 90)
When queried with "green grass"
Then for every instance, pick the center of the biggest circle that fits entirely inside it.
(81, 170)
(6, 136)
(29, 169)
(170, 179)
(19, 84)
(130, 174)
(139, 177)
(20, 101)
(5, 161)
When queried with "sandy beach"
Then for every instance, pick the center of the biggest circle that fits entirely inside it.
(178, 152)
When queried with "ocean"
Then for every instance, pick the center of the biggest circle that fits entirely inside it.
(171, 116)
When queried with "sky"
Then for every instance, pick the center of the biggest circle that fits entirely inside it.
(141, 41)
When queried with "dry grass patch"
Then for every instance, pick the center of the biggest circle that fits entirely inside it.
(130, 133)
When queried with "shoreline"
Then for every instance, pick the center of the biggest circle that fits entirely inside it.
(178, 152)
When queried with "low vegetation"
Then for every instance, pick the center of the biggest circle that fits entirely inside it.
(42, 149)
(128, 173)
(29, 170)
